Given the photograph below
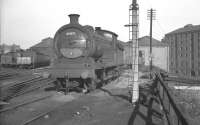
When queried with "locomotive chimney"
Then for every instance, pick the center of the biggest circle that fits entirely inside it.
(74, 18)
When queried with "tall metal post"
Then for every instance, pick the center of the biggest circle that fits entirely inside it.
(151, 39)
(133, 38)
(151, 16)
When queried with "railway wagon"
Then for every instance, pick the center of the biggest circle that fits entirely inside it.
(9, 59)
(24, 59)
(32, 59)
(84, 55)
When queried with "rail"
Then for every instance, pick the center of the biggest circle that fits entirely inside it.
(184, 81)
(10, 91)
(173, 115)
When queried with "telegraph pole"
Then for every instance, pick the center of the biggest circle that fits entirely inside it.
(133, 37)
(151, 17)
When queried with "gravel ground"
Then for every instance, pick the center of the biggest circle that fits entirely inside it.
(189, 102)
(21, 74)
(109, 105)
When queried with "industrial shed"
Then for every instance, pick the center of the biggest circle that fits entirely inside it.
(160, 52)
(44, 47)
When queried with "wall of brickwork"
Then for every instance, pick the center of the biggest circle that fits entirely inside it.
(184, 51)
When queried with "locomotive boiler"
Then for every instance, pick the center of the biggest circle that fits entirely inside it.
(85, 55)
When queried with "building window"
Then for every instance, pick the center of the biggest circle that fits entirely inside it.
(141, 53)
(193, 73)
(182, 64)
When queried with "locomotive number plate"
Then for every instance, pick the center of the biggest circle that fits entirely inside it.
(70, 33)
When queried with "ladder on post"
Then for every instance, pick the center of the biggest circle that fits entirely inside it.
(130, 51)
(134, 47)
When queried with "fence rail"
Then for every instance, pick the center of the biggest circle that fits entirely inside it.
(173, 114)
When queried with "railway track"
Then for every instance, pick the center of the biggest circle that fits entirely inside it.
(23, 87)
(190, 82)
(16, 89)
(41, 115)
(23, 103)
(4, 75)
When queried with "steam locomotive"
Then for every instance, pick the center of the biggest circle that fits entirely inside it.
(85, 56)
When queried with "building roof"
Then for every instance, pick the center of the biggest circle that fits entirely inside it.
(186, 28)
(145, 41)
(47, 42)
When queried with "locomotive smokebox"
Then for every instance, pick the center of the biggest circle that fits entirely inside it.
(74, 18)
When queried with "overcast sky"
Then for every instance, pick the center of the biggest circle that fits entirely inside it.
(26, 22)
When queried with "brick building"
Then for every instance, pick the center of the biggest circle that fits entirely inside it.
(184, 51)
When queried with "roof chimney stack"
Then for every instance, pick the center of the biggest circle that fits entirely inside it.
(97, 28)
(74, 18)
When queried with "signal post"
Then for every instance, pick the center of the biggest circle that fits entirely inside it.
(133, 38)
